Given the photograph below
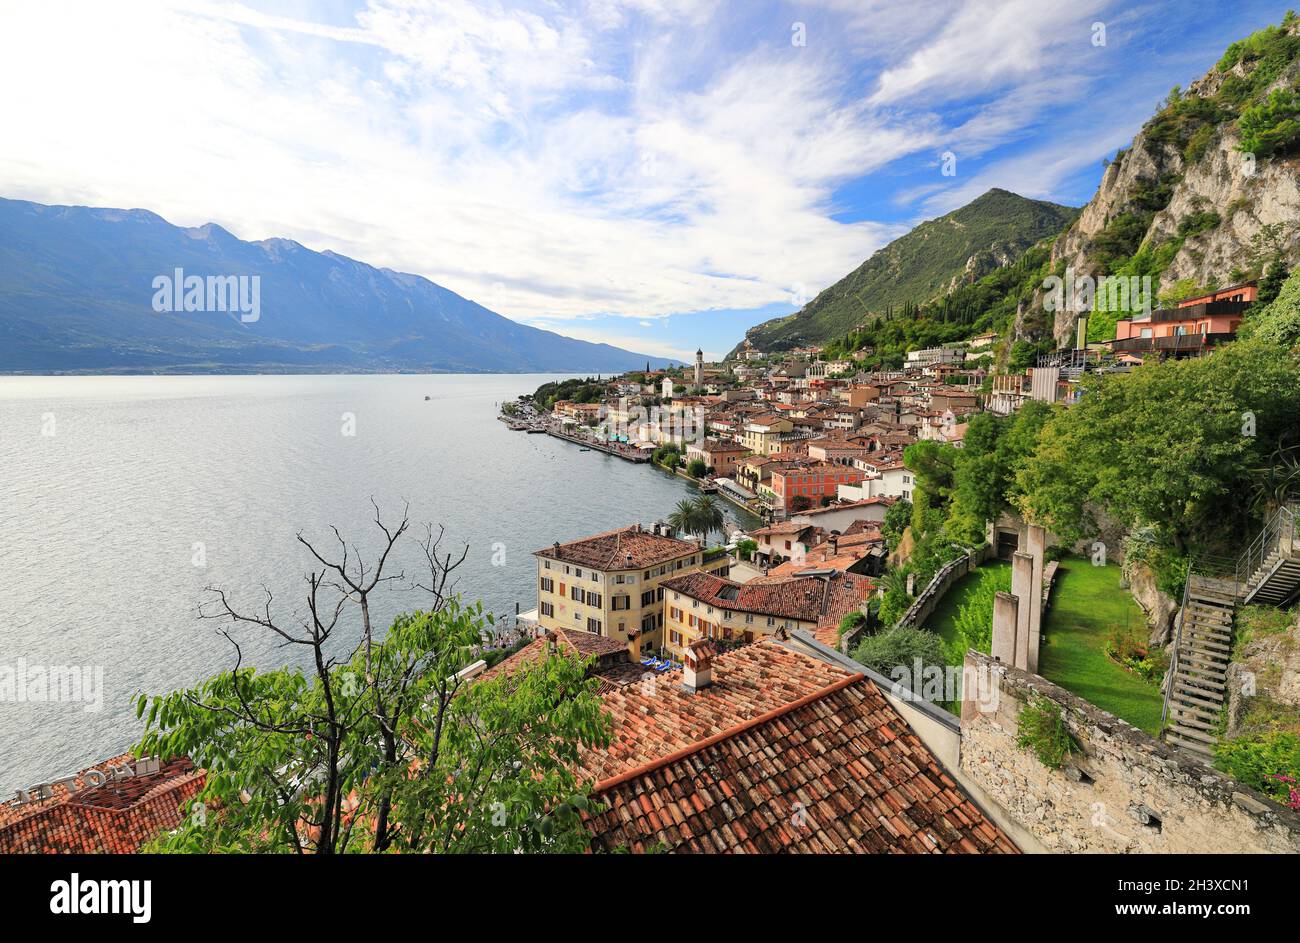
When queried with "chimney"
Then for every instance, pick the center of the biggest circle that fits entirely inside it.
(556, 548)
(628, 560)
(697, 673)
(835, 544)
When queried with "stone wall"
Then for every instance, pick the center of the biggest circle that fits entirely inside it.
(924, 605)
(1123, 791)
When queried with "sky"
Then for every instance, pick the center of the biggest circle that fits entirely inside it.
(656, 174)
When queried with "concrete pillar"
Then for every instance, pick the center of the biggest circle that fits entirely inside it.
(1022, 572)
(1037, 547)
(1004, 627)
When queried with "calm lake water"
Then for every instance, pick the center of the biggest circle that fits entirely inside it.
(109, 483)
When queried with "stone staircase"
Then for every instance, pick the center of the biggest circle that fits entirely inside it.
(1199, 672)
(1266, 573)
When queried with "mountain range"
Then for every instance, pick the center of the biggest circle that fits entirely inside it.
(79, 293)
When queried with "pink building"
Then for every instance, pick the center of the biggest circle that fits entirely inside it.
(1192, 328)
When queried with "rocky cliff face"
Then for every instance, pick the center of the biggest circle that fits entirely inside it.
(1174, 187)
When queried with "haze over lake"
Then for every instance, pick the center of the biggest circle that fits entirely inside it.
(109, 484)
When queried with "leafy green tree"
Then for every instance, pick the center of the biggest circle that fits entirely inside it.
(897, 519)
(932, 463)
(697, 468)
(387, 748)
(1173, 445)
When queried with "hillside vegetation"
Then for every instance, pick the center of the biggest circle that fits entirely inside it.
(935, 259)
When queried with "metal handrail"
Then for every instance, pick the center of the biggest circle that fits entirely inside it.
(1281, 523)
(1178, 644)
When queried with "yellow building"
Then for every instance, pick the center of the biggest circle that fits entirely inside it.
(707, 606)
(762, 434)
(611, 584)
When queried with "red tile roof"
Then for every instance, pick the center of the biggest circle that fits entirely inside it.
(835, 769)
(610, 550)
(610, 654)
(785, 599)
(116, 817)
(652, 720)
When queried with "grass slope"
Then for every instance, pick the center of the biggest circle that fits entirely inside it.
(1087, 604)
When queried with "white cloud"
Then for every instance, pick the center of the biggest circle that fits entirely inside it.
(552, 161)
(986, 44)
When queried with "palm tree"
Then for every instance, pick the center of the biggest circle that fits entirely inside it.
(709, 516)
(682, 519)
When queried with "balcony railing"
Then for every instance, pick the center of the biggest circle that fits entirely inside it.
(1174, 343)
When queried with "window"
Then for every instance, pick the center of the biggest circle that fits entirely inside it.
(577, 574)
(648, 597)
(577, 593)
(675, 637)
(771, 621)
(695, 604)
(593, 625)
(618, 603)
(594, 599)
(547, 564)
(618, 578)
(548, 609)
(548, 584)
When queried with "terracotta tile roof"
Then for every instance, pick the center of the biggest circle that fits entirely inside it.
(785, 599)
(610, 550)
(609, 653)
(834, 770)
(650, 721)
(115, 817)
(865, 502)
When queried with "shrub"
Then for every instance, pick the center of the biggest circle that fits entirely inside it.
(1272, 124)
(1128, 647)
(1258, 761)
(974, 620)
(900, 648)
(697, 468)
(853, 621)
(1279, 322)
(1041, 728)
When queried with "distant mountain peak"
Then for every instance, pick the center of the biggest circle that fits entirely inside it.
(931, 260)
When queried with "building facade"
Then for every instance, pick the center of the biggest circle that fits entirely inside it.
(610, 584)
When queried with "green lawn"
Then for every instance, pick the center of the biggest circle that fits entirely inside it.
(1087, 603)
(945, 613)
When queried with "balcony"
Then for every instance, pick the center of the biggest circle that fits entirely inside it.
(1173, 344)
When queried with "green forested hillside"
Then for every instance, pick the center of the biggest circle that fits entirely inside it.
(923, 266)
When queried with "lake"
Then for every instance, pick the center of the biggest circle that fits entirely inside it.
(124, 497)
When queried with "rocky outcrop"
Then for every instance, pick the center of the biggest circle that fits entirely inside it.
(1266, 668)
(1248, 196)
(1161, 610)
